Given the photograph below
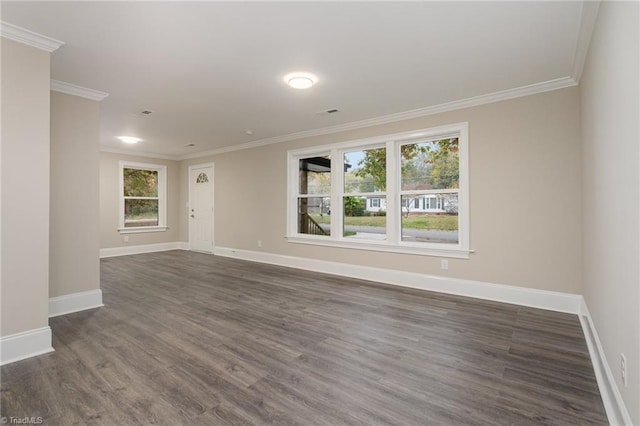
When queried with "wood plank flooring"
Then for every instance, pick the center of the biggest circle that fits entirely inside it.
(193, 339)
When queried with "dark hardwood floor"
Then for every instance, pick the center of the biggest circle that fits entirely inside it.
(193, 339)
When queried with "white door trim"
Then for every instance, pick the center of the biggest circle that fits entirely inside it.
(213, 200)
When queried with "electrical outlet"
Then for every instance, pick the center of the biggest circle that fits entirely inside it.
(259, 243)
(623, 369)
(126, 238)
(444, 264)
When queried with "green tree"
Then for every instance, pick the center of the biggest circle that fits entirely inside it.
(374, 166)
(366, 184)
(318, 182)
(439, 155)
(140, 183)
(354, 206)
(445, 173)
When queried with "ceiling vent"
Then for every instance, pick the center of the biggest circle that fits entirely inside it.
(329, 111)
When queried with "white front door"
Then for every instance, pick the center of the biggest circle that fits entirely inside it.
(201, 208)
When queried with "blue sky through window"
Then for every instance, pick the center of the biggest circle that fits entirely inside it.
(354, 158)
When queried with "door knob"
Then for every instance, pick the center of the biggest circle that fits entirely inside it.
(193, 215)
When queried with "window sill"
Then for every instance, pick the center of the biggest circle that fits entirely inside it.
(450, 252)
(142, 230)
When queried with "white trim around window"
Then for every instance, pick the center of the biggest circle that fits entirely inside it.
(162, 198)
(393, 193)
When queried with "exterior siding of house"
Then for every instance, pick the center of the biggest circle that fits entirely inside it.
(418, 204)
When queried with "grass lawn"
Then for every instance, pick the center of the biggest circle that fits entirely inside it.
(435, 222)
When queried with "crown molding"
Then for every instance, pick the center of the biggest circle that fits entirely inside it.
(110, 150)
(587, 24)
(72, 89)
(33, 39)
(503, 95)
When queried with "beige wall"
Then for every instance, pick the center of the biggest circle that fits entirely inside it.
(74, 234)
(109, 203)
(25, 187)
(524, 190)
(611, 213)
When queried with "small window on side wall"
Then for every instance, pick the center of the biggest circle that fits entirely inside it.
(142, 197)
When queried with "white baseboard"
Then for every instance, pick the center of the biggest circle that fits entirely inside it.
(550, 300)
(75, 302)
(611, 398)
(19, 346)
(147, 248)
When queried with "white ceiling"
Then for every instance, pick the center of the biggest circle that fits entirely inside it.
(210, 71)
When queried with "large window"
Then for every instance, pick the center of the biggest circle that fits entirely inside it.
(142, 197)
(405, 192)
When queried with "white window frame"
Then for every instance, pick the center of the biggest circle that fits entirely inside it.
(393, 242)
(162, 197)
(298, 195)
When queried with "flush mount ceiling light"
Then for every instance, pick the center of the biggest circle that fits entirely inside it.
(129, 139)
(300, 80)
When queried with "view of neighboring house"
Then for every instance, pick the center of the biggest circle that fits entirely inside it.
(430, 203)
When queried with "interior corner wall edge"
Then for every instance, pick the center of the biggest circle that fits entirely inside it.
(609, 108)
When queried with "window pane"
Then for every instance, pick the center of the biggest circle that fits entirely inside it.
(363, 221)
(430, 165)
(315, 175)
(436, 222)
(314, 215)
(365, 170)
(140, 183)
(140, 213)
